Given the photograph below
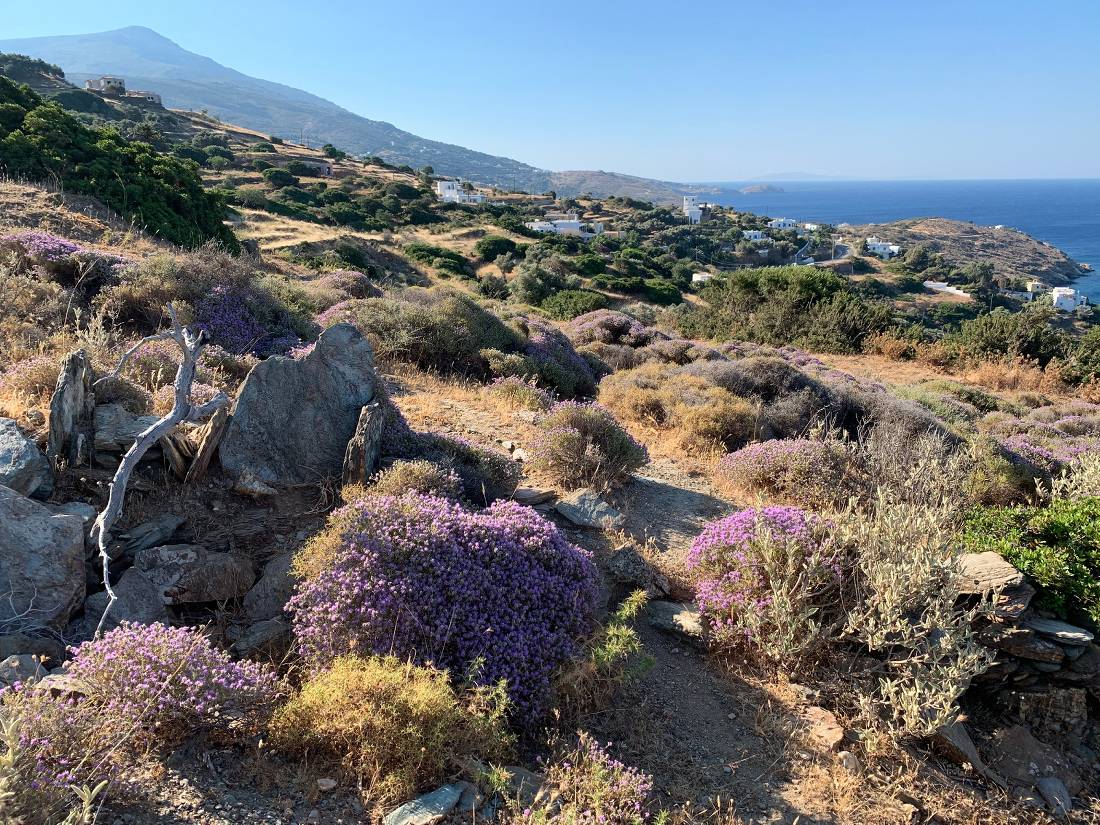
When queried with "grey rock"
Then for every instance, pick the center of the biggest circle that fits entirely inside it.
(1022, 642)
(152, 533)
(72, 406)
(989, 574)
(954, 742)
(293, 419)
(1056, 795)
(532, 496)
(137, 600)
(41, 562)
(677, 619)
(86, 512)
(1088, 662)
(365, 446)
(188, 573)
(627, 567)
(585, 508)
(1059, 631)
(427, 809)
(23, 468)
(523, 784)
(14, 644)
(20, 669)
(268, 596)
(267, 635)
(116, 428)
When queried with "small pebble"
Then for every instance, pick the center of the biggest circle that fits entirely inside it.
(325, 784)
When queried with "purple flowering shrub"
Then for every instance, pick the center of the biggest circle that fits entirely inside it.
(1048, 439)
(765, 581)
(165, 397)
(607, 326)
(348, 283)
(140, 685)
(31, 380)
(496, 595)
(806, 472)
(555, 362)
(242, 321)
(519, 394)
(42, 247)
(581, 444)
(486, 475)
(587, 786)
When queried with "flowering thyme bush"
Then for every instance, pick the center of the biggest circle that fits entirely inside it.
(582, 444)
(31, 380)
(589, 787)
(765, 579)
(607, 326)
(42, 247)
(421, 577)
(806, 472)
(519, 394)
(141, 685)
(418, 476)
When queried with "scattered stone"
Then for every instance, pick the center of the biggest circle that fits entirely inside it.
(1016, 754)
(1053, 712)
(325, 784)
(680, 620)
(72, 413)
(23, 468)
(532, 496)
(137, 600)
(849, 761)
(470, 800)
(249, 485)
(523, 784)
(188, 573)
(519, 454)
(294, 418)
(1059, 631)
(427, 809)
(20, 669)
(365, 446)
(585, 508)
(1056, 795)
(987, 573)
(822, 728)
(627, 567)
(1088, 662)
(954, 742)
(268, 596)
(116, 428)
(266, 636)
(86, 512)
(150, 533)
(1023, 643)
(41, 562)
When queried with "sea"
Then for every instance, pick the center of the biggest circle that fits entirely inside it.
(1064, 213)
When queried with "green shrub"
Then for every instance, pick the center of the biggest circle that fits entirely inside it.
(393, 726)
(489, 247)
(418, 476)
(278, 178)
(1057, 546)
(583, 445)
(569, 303)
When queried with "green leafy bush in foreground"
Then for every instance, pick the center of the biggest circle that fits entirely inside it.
(1057, 546)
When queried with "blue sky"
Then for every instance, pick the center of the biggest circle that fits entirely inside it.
(683, 91)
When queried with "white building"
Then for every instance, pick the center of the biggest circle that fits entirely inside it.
(701, 277)
(570, 224)
(943, 286)
(109, 83)
(1035, 287)
(782, 223)
(753, 235)
(1067, 298)
(141, 94)
(879, 247)
(691, 209)
(811, 227)
(451, 191)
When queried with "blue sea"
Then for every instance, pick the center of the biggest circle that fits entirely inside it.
(1064, 213)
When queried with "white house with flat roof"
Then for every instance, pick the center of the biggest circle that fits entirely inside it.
(782, 223)
(452, 191)
(879, 247)
(109, 83)
(753, 235)
(1067, 299)
(691, 209)
(570, 224)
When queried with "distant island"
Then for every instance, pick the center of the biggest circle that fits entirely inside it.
(759, 188)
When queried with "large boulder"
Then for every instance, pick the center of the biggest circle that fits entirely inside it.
(269, 595)
(72, 408)
(41, 562)
(293, 419)
(23, 468)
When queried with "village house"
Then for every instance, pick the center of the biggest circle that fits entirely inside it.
(782, 223)
(107, 84)
(146, 96)
(452, 191)
(567, 224)
(701, 277)
(1067, 299)
(879, 247)
(753, 235)
(946, 288)
(691, 209)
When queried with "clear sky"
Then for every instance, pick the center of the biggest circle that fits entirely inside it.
(703, 90)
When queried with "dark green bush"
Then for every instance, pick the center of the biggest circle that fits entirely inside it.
(279, 177)
(569, 303)
(489, 247)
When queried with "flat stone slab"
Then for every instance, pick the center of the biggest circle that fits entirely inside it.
(188, 573)
(1059, 631)
(532, 496)
(678, 619)
(585, 508)
(822, 728)
(427, 809)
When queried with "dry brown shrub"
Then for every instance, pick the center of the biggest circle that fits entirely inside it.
(890, 346)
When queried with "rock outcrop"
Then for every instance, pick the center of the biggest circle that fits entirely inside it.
(188, 573)
(41, 562)
(293, 419)
(23, 468)
(72, 410)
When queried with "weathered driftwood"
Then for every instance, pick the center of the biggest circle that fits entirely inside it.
(365, 445)
(190, 344)
(207, 439)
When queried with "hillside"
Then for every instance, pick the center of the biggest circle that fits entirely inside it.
(190, 81)
(1012, 253)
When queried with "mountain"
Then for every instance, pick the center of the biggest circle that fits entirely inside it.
(186, 80)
